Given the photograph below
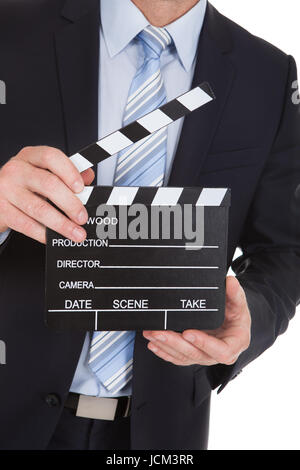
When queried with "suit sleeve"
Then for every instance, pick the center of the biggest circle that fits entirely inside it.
(269, 269)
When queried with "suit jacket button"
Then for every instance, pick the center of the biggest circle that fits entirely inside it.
(52, 399)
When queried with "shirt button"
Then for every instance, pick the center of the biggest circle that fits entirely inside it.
(52, 399)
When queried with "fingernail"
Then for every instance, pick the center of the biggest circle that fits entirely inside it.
(82, 217)
(189, 337)
(152, 347)
(78, 186)
(78, 234)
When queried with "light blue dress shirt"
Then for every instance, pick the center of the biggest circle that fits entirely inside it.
(120, 57)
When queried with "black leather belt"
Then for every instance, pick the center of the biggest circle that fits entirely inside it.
(106, 408)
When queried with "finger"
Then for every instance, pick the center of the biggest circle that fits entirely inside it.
(57, 162)
(42, 212)
(237, 312)
(170, 358)
(234, 292)
(88, 176)
(20, 222)
(176, 346)
(216, 348)
(50, 186)
(163, 354)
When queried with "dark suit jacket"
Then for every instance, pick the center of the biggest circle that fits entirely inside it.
(248, 140)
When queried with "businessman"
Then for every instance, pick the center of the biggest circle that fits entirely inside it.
(74, 71)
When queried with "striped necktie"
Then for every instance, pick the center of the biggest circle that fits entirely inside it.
(143, 164)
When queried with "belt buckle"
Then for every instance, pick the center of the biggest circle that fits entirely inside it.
(97, 407)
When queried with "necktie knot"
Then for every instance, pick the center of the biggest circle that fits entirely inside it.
(155, 41)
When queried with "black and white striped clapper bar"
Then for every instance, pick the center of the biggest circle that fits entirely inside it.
(154, 258)
(143, 127)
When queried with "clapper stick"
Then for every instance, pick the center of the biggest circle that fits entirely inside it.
(138, 130)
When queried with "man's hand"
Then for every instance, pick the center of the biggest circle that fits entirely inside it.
(34, 175)
(223, 345)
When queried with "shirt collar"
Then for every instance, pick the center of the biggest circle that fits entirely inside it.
(122, 21)
(185, 33)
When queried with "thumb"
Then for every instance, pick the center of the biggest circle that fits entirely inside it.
(234, 292)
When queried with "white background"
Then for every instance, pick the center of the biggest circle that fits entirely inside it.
(260, 409)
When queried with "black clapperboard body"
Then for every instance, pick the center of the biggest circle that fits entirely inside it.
(154, 258)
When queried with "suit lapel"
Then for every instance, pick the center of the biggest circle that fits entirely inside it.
(199, 128)
(77, 52)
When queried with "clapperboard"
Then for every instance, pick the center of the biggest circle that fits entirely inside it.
(154, 258)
